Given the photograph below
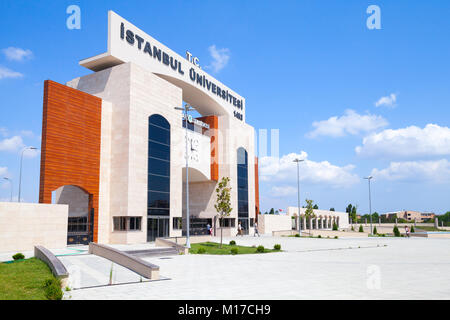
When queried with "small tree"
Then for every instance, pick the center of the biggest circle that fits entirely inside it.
(309, 212)
(412, 229)
(332, 209)
(223, 203)
(375, 230)
(361, 229)
(335, 227)
(396, 231)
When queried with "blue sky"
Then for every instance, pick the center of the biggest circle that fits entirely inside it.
(311, 69)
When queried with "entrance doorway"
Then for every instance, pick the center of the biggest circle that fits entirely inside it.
(157, 227)
(80, 225)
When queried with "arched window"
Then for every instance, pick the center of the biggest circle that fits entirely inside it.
(242, 174)
(158, 166)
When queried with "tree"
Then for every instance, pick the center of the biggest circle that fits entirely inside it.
(272, 211)
(332, 209)
(375, 231)
(396, 231)
(316, 207)
(309, 212)
(223, 203)
(361, 229)
(351, 210)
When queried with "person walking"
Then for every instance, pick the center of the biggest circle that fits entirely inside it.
(407, 231)
(208, 228)
(256, 230)
(239, 229)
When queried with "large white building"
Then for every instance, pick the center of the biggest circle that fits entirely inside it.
(113, 144)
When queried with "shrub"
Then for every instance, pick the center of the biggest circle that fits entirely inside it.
(336, 237)
(234, 251)
(18, 256)
(297, 235)
(375, 230)
(361, 229)
(396, 231)
(201, 250)
(319, 236)
(353, 229)
(277, 247)
(52, 289)
(232, 243)
(335, 227)
(260, 249)
(412, 229)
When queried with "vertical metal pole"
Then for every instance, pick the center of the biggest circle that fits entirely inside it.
(298, 195)
(20, 174)
(370, 209)
(188, 242)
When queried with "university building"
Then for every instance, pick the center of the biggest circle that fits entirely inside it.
(113, 145)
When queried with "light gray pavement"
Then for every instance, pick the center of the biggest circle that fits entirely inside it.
(412, 268)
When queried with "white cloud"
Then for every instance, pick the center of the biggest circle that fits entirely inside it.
(17, 54)
(3, 132)
(3, 172)
(7, 73)
(388, 101)
(412, 141)
(220, 58)
(283, 169)
(350, 123)
(283, 191)
(432, 171)
(11, 144)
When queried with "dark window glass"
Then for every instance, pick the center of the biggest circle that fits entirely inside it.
(242, 171)
(158, 200)
(160, 121)
(158, 212)
(158, 134)
(158, 150)
(157, 183)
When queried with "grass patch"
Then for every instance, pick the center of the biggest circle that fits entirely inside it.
(426, 228)
(24, 280)
(213, 248)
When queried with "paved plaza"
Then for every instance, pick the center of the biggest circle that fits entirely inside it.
(359, 268)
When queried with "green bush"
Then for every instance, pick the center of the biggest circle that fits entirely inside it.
(335, 227)
(277, 246)
(297, 235)
(412, 229)
(18, 256)
(234, 251)
(52, 289)
(260, 249)
(375, 230)
(361, 229)
(201, 250)
(396, 231)
(232, 243)
(336, 237)
(319, 236)
(353, 229)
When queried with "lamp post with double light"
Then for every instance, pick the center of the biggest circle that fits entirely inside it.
(186, 108)
(370, 204)
(298, 195)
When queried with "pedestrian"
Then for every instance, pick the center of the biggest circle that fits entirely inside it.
(407, 231)
(208, 228)
(256, 230)
(239, 229)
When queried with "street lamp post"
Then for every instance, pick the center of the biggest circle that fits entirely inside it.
(10, 182)
(370, 204)
(186, 108)
(20, 174)
(298, 196)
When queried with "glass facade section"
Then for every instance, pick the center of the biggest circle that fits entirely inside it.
(158, 200)
(242, 174)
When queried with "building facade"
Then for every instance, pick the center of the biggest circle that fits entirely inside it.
(114, 146)
(410, 215)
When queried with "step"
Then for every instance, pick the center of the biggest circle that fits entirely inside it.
(164, 251)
